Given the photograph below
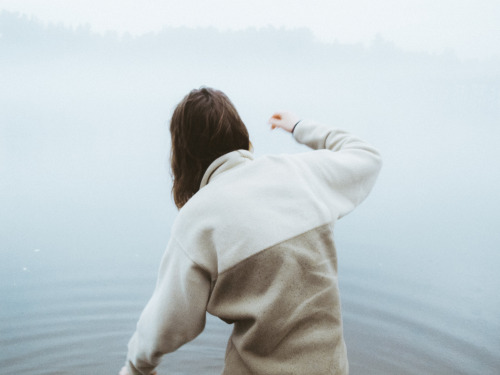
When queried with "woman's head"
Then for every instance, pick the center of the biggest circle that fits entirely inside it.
(205, 125)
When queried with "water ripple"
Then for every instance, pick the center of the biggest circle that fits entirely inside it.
(68, 325)
(406, 329)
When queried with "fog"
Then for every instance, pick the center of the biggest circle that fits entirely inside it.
(84, 144)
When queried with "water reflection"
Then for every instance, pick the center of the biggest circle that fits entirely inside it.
(63, 316)
(396, 326)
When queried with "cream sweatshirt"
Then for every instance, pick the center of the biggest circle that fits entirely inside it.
(254, 247)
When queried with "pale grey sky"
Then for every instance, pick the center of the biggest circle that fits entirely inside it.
(471, 28)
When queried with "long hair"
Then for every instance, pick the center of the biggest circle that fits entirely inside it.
(205, 125)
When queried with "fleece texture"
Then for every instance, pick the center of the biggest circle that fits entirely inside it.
(254, 247)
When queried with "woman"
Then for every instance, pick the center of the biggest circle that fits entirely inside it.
(253, 243)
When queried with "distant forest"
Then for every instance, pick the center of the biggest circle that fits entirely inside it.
(22, 36)
(268, 55)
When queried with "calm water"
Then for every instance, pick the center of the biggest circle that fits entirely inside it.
(61, 314)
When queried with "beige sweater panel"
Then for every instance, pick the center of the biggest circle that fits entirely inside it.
(285, 306)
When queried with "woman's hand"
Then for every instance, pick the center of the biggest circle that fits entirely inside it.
(284, 120)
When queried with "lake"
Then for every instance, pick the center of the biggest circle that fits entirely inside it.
(63, 313)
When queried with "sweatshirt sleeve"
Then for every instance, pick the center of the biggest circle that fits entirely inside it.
(174, 315)
(344, 168)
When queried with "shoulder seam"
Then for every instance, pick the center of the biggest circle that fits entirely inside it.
(188, 255)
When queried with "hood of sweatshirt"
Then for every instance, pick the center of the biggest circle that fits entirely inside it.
(224, 163)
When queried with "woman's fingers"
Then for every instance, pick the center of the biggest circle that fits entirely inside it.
(274, 120)
(283, 120)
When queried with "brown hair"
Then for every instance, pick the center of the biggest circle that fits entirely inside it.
(205, 125)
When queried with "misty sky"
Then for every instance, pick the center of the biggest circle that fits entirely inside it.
(468, 28)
